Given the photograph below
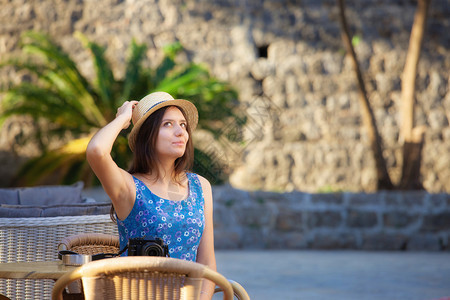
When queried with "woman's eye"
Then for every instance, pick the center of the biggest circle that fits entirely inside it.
(184, 125)
(168, 124)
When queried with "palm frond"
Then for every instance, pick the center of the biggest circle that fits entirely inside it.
(167, 64)
(55, 166)
(105, 78)
(38, 102)
(176, 82)
(133, 73)
(55, 59)
(55, 71)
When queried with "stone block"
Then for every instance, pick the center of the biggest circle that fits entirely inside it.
(297, 199)
(256, 215)
(424, 243)
(323, 219)
(361, 219)
(223, 217)
(227, 239)
(263, 197)
(405, 198)
(398, 219)
(253, 238)
(230, 196)
(364, 199)
(289, 221)
(384, 241)
(436, 222)
(262, 68)
(286, 240)
(439, 200)
(333, 241)
(327, 198)
(445, 242)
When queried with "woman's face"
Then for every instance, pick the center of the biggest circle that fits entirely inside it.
(173, 136)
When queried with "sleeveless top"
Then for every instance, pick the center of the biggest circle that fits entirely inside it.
(179, 223)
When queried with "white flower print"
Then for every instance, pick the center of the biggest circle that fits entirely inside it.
(156, 216)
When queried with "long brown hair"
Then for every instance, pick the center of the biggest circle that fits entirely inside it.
(145, 158)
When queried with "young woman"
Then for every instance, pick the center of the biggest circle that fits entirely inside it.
(158, 197)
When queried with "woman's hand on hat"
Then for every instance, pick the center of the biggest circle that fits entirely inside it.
(126, 111)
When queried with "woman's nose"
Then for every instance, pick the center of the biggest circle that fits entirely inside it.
(178, 130)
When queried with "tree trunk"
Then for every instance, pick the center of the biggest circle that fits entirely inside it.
(412, 158)
(383, 179)
(412, 138)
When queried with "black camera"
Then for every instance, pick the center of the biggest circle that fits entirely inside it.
(142, 247)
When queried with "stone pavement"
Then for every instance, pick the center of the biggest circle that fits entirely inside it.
(305, 274)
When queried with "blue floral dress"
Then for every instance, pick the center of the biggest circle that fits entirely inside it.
(179, 223)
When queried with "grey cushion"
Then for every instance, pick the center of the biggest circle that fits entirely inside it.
(28, 211)
(9, 196)
(77, 210)
(51, 195)
(18, 211)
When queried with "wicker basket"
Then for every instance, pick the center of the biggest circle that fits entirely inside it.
(36, 239)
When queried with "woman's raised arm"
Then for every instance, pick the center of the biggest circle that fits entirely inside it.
(116, 182)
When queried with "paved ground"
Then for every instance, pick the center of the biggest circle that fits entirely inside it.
(338, 274)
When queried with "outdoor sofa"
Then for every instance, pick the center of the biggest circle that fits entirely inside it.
(32, 223)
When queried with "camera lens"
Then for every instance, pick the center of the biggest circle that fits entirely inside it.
(152, 249)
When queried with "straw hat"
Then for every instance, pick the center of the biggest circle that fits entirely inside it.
(154, 101)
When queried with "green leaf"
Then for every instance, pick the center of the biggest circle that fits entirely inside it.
(356, 40)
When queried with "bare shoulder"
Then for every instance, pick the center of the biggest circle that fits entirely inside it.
(202, 179)
(206, 187)
(204, 182)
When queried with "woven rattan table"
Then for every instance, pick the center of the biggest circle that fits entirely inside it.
(34, 270)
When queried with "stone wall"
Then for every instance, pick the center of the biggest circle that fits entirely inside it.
(397, 221)
(379, 221)
(287, 62)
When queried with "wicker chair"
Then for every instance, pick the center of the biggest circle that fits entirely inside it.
(36, 239)
(91, 243)
(142, 277)
(239, 292)
(94, 243)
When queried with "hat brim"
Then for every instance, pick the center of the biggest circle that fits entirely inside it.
(188, 108)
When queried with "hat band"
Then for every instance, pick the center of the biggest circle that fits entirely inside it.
(154, 105)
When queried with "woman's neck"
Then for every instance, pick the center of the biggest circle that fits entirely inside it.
(167, 187)
(165, 174)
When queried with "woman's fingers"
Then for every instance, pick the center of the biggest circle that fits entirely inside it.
(127, 109)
